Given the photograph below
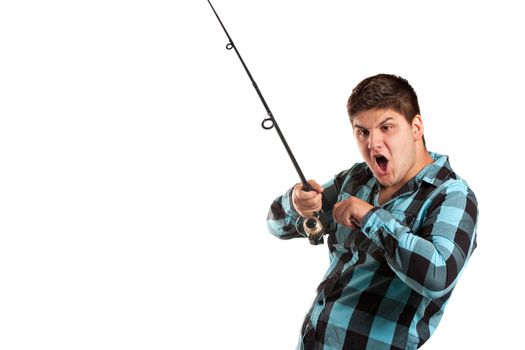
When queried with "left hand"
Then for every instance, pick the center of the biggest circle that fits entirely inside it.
(351, 211)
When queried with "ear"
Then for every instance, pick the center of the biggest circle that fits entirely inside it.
(417, 127)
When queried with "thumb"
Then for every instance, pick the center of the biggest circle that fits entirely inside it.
(315, 186)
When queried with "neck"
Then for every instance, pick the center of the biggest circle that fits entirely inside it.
(422, 159)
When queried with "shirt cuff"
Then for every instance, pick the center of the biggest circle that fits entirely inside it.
(377, 219)
(288, 206)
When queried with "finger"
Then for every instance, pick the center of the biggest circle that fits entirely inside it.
(299, 196)
(307, 207)
(341, 214)
(315, 186)
(308, 213)
(345, 220)
(299, 189)
(336, 213)
(311, 206)
(307, 203)
(308, 195)
(315, 200)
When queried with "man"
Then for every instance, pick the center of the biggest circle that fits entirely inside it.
(406, 227)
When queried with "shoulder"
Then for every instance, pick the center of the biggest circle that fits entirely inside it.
(443, 177)
(459, 190)
(356, 171)
(453, 195)
(354, 177)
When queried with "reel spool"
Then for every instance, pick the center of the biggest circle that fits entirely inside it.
(314, 229)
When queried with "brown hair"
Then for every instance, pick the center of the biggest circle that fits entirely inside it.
(384, 91)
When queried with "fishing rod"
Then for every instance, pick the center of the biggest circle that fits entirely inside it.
(313, 226)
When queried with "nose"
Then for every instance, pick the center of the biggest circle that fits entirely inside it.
(375, 140)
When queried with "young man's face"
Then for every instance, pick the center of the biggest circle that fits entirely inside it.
(387, 143)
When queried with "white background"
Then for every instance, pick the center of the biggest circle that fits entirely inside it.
(135, 178)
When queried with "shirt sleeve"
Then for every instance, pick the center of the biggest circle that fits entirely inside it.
(430, 260)
(283, 220)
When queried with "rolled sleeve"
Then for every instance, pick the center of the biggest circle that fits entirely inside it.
(431, 259)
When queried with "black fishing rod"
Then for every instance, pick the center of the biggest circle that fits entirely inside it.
(313, 226)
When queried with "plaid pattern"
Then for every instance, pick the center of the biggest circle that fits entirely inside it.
(388, 283)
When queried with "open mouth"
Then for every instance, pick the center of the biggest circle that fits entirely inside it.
(382, 162)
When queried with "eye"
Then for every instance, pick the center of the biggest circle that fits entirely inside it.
(362, 132)
(387, 127)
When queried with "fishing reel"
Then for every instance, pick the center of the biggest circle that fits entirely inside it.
(314, 229)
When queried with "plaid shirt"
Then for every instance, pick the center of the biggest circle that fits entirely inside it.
(389, 281)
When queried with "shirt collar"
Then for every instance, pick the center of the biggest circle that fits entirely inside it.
(435, 173)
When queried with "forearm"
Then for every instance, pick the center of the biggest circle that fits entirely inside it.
(285, 222)
(431, 259)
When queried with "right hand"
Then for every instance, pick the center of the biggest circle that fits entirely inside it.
(306, 203)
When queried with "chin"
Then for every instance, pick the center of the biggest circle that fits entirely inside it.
(385, 180)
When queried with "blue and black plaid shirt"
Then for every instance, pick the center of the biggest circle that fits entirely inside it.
(389, 281)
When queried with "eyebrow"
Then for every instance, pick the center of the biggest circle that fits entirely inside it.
(383, 122)
(386, 120)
